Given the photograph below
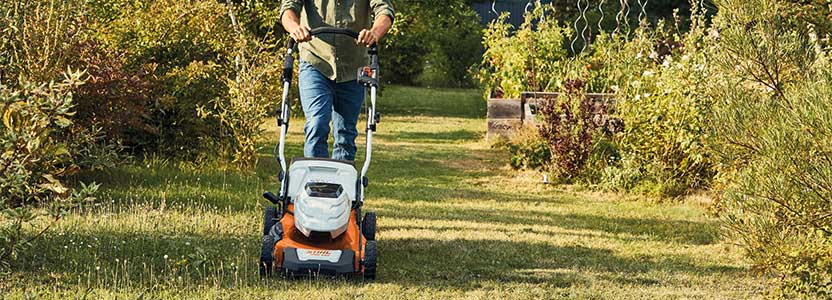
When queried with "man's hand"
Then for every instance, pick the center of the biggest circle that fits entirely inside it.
(381, 26)
(301, 34)
(291, 22)
(367, 37)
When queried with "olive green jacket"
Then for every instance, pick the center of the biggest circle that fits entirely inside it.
(337, 57)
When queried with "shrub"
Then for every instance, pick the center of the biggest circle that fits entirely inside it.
(772, 112)
(528, 149)
(432, 43)
(114, 98)
(252, 89)
(528, 59)
(667, 116)
(569, 125)
(187, 47)
(36, 157)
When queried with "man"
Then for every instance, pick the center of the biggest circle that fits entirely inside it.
(329, 67)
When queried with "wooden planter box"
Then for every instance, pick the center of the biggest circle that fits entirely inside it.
(505, 116)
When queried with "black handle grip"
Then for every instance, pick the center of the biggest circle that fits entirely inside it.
(333, 30)
(291, 44)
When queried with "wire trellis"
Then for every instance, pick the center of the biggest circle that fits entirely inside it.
(622, 20)
(584, 25)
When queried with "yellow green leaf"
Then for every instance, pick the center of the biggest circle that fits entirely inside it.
(7, 118)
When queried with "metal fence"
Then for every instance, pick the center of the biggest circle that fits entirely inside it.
(491, 10)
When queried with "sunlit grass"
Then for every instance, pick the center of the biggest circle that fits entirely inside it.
(454, 223)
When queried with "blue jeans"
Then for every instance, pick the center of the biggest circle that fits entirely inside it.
(324, 100)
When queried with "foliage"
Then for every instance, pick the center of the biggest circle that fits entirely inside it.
(150, 66)
(528, 149)
(186, 79)
(251, 92)
(667, 116)
(656, 76)
(38, 38)
(187, 47)
(772, 127)
(36, 157)
(528, 59)
(114, 98)
(570, 124)
(432, 43)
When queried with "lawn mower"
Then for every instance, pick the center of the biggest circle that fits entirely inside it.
(315, 225)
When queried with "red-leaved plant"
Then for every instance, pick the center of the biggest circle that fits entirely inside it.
(570, 124)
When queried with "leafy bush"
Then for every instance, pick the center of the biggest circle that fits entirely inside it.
(187, 49)
(252, 90)
(570, 124)
(36, 156)
(666, 116)
(528, 59)
(432, 43)
(528, 149)
(773, 107)
(114, 98)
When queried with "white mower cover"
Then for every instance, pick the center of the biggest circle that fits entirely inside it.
(323, 192)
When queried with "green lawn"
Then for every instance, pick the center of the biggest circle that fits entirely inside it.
(454, 223)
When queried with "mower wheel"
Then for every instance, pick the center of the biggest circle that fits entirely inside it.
(270, 218)
(267, 257)
(370, 260)
(368, 226)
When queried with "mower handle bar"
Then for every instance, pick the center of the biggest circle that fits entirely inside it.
(291, 44)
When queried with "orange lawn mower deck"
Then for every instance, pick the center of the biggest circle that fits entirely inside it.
(294, 254)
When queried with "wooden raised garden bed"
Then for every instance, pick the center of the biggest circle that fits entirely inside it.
(505, 116)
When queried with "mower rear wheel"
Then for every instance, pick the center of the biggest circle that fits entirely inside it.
(370, 260)
(269, 219)
(368, 226)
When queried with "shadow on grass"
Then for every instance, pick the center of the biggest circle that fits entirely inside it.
(676, 231)
(211, 186)
(462, 263)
